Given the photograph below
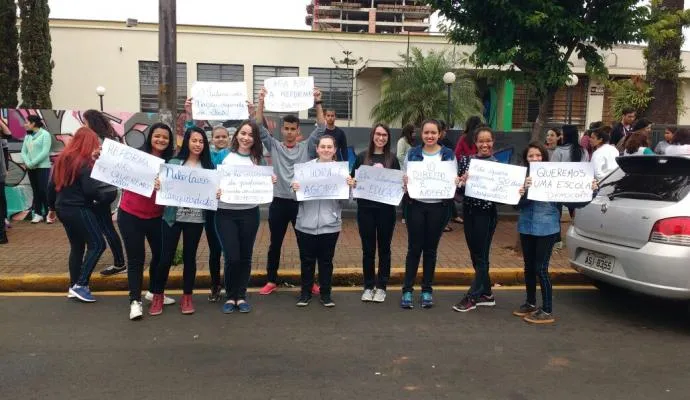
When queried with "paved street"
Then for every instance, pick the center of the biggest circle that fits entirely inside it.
(624, 347)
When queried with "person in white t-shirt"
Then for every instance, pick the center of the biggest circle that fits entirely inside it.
(680, 144)
(604, 156)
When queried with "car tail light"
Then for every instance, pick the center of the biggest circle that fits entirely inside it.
(674, 231)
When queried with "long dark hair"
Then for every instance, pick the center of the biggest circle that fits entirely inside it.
(538, 146)
(204, 157)
(408, 134)
(681, 137)
(256, 152)
(387, 156)
(148, 146)
(571, 137)
(100, 124)
(471, 125)
(635, 141)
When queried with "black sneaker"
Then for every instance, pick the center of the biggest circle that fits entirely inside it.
(214, 296)
(304, 300)
(525, 309)
(540, 317)
(486, 300)
(327, 301)
(114, 270)
(466, 304)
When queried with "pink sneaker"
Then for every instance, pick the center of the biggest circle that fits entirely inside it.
(315, 290)
(269, 288)
(156, 307)
(187, 306)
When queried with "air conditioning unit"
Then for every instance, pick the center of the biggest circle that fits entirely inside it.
(132, 22)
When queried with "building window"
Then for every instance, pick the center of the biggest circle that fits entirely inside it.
(148, 86)
(336, 90)
(219, 73)
(261, 73)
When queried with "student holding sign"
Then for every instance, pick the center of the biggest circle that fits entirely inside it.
(376, 221)
(317, 227)
(426, 218)
(185, 222)
(285, 155)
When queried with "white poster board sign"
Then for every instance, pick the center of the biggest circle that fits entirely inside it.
(289, 94)
(431, 179)
(561, 182)
(494, 181)
(383, 185)
(187, 187)
(322, 181)
(219, 101)
(127, 168)
(246, 184)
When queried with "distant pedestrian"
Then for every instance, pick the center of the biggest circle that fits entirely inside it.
(625, 127)
(553, 139)
(405, 143)
(637, 144)
(338, 134)
(36, 157)
(466, 145)
(681, 143)
(570, 149)
(446, 142)
(669, 131)
(605, 154)
(642, 126)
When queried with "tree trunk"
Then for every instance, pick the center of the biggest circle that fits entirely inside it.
(9, 56)
(36, 50)
(538, 127)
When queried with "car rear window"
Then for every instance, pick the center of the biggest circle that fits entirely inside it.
(649, 178)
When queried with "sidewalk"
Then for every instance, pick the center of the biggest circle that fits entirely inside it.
(36, 259)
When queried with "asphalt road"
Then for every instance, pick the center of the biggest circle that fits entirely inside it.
(601, 347)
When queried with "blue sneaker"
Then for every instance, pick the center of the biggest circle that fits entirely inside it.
(229, 307)
(427, 300)
(243, 306)
(406, 300)
(82, 293)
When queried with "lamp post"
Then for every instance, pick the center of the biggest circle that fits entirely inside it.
(570, 82)
(448, 79)
(100, 91)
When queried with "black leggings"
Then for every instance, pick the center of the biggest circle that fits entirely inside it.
(281, 213)
(480, 225)
(81, 226)
(214, 248)
(191, 234)
(135, 233)
(39, 186)
(425, 223)
(313, 248)
(376, 226)
(105, 222)
(237, 232)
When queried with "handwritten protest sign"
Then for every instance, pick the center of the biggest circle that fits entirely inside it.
(431, 179)
(383, 185)
(127, 168)
(289, 94)
(561, 182)
(321, 181)
(187, 187)
(493, 181)
(219, 100)
(246, 184)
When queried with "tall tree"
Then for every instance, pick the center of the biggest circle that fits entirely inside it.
(539, 36)
(9, 55)
(415, 91)
(665, 38)
(36, 50)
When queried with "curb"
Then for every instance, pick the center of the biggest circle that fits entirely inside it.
(341, 277)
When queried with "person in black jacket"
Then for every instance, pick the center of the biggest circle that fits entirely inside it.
(73, 196)
(338, 134)
(624, 127)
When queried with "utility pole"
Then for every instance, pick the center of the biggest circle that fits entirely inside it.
(167, 62)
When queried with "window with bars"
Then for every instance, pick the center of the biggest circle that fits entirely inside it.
(262, 72)
(148, 86)
(336, 90)
(526, 106)
(219, 73)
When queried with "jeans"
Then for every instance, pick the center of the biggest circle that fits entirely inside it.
(425, 223)
(214, 248)
(39, 186)
(313, 248)
(536, 251)
(480, 226)
(81, 226)
(135, 232)
(376, 226)
(237, 232)
(191, 234)
(105, 223)
(280, 213)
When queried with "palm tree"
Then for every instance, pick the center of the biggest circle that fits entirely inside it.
(415, 91)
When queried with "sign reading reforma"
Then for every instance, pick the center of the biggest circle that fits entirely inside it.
(383, 185)
(493, 181)
(219, 101)
(289, 94)
(322, 181)
(561, 182)
(246, 184)
(187, 187)
(431, 179)
(127, 168)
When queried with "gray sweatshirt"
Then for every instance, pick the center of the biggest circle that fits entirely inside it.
(562, 154)
(316, 217)
(284, 159)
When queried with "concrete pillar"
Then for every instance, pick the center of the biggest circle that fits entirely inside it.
(372, 20)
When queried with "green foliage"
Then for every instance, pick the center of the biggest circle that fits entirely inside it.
(9, 55)
(178, 259)
(634, 92)
(415, 91)
(34, 42)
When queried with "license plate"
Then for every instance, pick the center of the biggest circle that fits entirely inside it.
(599, 261)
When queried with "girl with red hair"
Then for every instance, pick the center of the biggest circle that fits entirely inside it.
(73, 195)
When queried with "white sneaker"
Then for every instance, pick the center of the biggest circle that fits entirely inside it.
(368, 295)
(168, 301)
(379, 296)
(36, 219)
(135, 310)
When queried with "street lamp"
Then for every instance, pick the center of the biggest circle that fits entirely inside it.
(100, 91)
(570, 82)
(448, 79)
